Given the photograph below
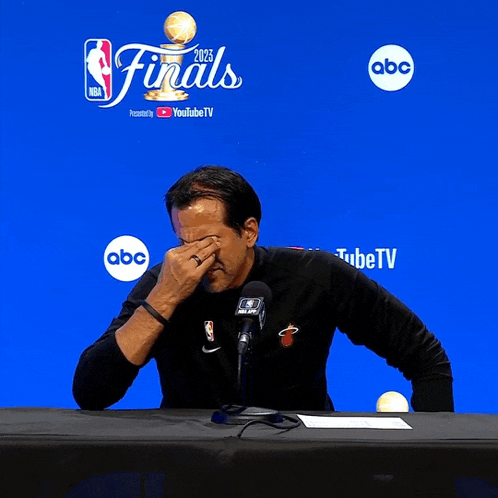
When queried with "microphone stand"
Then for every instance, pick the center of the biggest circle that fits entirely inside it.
(240, 415)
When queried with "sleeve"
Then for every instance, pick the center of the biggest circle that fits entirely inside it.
(103, 374)
(371, 316)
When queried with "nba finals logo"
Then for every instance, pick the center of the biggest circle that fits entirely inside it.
(165, 75)
(98, 72)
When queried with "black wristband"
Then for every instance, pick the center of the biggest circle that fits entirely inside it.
(155, 314)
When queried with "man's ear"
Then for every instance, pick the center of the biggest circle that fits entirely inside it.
(251, 231)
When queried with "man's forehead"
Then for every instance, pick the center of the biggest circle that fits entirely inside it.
(201, 211)
(205, 206)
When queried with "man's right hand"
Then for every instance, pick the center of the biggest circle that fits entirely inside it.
(181, 273)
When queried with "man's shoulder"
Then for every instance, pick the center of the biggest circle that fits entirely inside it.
(146, 283)
(298, 256)
(317, 265)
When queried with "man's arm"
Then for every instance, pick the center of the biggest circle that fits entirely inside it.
(108, 368)
(376, 319)
(179, 277)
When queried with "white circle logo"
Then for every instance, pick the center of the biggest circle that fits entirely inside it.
(126, 258)
(391, 68)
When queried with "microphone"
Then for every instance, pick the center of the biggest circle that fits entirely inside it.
(254, 298)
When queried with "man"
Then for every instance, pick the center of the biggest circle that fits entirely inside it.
(181, 313)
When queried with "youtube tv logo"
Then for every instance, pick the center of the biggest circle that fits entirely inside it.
(164, 112)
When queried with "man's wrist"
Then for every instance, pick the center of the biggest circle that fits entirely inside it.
(153, 312)
(164, 304)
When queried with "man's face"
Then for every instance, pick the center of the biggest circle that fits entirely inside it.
(205, 217)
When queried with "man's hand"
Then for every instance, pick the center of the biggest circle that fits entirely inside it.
(182, 270)
(180, 275)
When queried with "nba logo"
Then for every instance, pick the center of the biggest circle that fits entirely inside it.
(98, 69)
(209, 329)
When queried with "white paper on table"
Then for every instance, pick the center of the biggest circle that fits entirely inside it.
(321, 422)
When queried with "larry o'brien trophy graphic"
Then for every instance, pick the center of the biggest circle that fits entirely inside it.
(179, 28)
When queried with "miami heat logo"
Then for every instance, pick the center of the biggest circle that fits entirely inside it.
(286, 335)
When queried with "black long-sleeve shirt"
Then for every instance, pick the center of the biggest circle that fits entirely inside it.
(314, 293)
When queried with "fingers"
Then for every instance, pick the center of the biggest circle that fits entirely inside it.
(203, 267)
(198, 251)
(181, 272)
(206, 245)
(201, 255)
(192, 256)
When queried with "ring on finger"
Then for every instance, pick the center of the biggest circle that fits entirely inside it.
(196, 259)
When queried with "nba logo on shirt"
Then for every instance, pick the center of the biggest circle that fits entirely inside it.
(98, 69)
(209, 329)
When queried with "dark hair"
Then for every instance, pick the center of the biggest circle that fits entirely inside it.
(217, 182)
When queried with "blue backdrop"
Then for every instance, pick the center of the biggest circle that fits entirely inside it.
(408, 176)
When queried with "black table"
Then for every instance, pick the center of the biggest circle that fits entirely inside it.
(180, 453)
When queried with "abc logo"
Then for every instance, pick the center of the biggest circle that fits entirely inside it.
(126, 258)
(391, 68)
